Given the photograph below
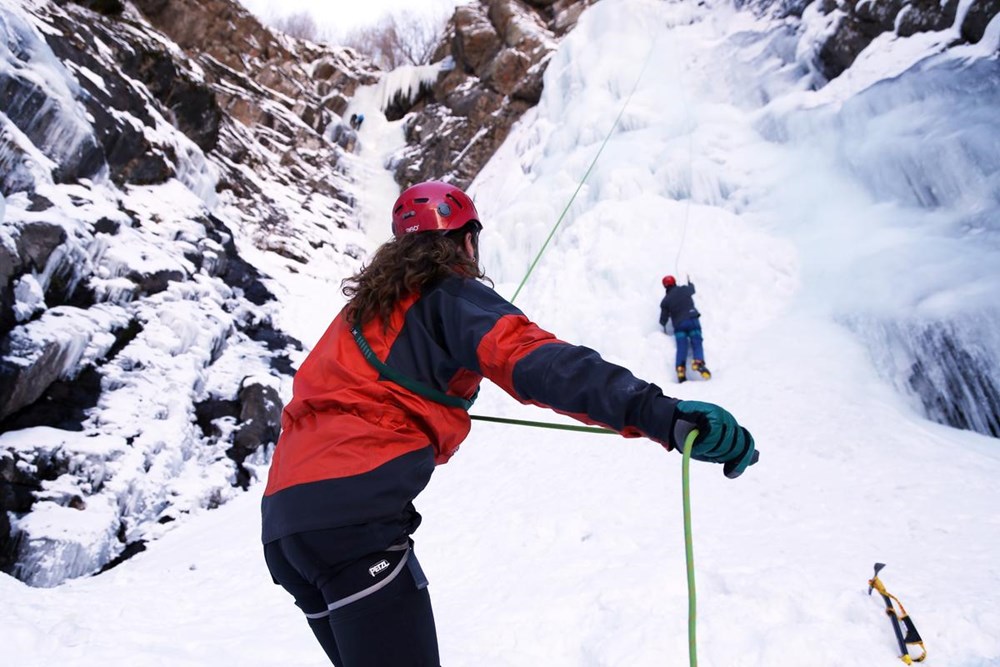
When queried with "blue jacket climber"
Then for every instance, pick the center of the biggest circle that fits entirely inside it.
(678, 308)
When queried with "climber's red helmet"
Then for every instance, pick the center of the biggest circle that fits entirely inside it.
(669, 281)
(432, 206)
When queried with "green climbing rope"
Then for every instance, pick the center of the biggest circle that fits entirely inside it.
(561, 427)
(579, 185)
(689, 548)
(686, 502)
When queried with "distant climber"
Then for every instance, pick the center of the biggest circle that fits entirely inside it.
(356, 120)
(677, 307)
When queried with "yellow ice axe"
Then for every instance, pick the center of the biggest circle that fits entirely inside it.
(899, 621)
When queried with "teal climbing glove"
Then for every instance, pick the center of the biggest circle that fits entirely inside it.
(720, 439)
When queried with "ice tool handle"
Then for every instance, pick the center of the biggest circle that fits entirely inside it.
(900, 621)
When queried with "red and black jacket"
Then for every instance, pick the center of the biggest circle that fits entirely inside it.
(356, 448)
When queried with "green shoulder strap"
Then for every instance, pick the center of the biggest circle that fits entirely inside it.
(407, 382)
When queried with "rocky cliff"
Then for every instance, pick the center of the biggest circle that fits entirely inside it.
(497, 53)
(852, 25)
(142, 146)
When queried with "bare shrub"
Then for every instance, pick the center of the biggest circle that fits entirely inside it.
(300, 25)
(396, 40)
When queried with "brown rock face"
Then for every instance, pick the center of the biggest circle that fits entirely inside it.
(499, 50)
(282, 100)
(475, 40)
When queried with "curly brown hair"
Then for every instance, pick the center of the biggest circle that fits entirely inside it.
(403, 266)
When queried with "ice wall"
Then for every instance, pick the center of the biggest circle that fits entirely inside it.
(906, 252)
(718, 143)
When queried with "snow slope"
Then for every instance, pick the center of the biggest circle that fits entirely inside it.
(562, 549)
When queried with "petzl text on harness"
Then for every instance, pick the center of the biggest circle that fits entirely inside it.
(900, 621)
(407, 382)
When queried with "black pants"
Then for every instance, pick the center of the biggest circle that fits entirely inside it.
(372, 612)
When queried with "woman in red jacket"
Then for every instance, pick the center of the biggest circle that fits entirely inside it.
(383, 398)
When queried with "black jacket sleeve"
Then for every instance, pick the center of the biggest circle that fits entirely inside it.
(576, 381)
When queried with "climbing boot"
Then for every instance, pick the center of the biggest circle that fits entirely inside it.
(699, 366)
(681, 374)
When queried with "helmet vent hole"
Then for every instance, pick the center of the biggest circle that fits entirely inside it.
(454, 200)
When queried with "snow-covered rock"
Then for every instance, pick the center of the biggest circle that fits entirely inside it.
(139, 171)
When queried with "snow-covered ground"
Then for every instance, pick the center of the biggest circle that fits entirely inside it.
(566, 549)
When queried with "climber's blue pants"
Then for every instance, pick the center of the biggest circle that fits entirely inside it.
(688, 331)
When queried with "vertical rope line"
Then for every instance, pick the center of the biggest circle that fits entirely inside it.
(689, 548)
(579, 186)
(687, 203)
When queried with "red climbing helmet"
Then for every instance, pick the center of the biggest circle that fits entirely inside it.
(669, 281)
(430, 206)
